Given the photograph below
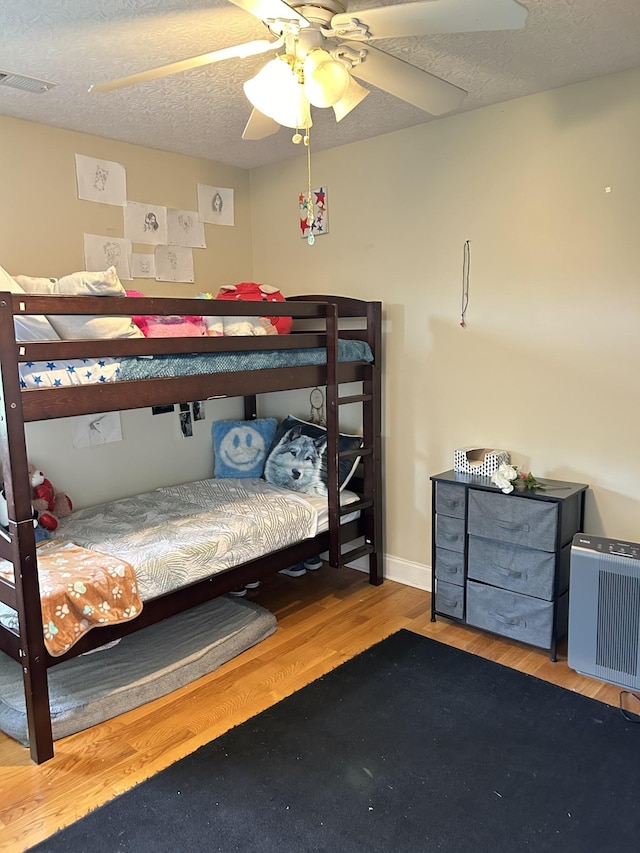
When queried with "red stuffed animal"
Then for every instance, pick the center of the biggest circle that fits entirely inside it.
(50, 504)
(254, 292)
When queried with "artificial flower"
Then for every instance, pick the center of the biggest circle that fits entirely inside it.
(508, 477)
(504, 476)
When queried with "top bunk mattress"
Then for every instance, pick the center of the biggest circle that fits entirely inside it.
(84, 371)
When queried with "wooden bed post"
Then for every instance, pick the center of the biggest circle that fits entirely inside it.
(22, 545)
(372, 429)
(333, 432)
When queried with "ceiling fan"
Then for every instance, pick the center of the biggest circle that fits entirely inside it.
(325, 47)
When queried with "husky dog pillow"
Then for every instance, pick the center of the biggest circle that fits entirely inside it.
(241, 447)
(298, 458)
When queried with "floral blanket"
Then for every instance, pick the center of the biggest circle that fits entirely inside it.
(79, 589)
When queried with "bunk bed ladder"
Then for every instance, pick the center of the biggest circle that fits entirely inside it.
(369, 504)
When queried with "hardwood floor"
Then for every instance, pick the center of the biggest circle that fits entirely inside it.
(324, 618)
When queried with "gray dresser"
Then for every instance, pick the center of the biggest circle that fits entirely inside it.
(501, 562)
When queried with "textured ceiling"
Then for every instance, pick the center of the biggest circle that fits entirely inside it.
(202, 112)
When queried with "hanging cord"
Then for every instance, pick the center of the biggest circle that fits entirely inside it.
(310, 237)
(631, 716)
(297, 138)
(466, 266)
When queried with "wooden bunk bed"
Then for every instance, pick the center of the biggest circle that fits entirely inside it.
(321, 324)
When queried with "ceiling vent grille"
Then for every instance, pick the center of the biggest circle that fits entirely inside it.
(27, 84)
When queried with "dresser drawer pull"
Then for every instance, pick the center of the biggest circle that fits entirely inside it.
(452, 504)
(512, 525)
(450, 602)
(449, 570)
(451, 537)
(508, 573)
(509, 620)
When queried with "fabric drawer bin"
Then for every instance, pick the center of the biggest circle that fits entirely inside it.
(450, 566)
(512, 567)
(530, 523)
(450, 533)
(450, 500)
(450, 599)
(510, 614)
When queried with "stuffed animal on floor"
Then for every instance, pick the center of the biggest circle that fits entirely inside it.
(49, 503)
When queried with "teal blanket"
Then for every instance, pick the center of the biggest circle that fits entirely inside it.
(165, 366)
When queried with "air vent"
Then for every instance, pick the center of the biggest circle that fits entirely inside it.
(27, 84)
(604, 609)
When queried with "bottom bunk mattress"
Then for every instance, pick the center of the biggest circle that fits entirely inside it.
(165, 539)
(178, 535)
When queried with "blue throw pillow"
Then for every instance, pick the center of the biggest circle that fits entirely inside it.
(241, 447)
(298, 457)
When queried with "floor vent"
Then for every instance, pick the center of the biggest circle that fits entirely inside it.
(27, 84)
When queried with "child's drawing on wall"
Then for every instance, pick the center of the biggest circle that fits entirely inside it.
(102, 252)
(101, 180)
(185, 229)
(145, 223)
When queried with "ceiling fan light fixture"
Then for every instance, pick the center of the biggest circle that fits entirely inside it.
(353, 96)
(277, 92)
(325, 79)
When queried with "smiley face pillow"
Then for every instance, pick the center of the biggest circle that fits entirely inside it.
(241, 447)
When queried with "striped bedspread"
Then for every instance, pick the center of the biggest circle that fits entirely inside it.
(177, 535)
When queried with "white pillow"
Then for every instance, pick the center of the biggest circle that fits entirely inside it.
(71, 327)
(37, 286)
(30, 327)
(104, 283)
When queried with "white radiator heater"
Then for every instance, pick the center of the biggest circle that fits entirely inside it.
(604, 610)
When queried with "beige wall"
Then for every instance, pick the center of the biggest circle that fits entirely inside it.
(42, 223)
(547, 367)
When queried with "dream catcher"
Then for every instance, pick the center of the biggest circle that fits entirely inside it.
(317, 416)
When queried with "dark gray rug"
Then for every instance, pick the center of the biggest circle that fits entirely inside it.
(412, 746)
(141, 667)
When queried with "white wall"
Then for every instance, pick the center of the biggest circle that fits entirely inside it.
(547, 367)
(42, 223)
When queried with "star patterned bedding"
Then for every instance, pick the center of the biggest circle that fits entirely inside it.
(64, 372)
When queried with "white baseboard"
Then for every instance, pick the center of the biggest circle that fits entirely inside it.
(396, 569)
(407, 572)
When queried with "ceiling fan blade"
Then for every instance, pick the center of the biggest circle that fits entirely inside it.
(259, 126)
(431, 17)
(269, 10)
(407, 82)
(239, 51)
